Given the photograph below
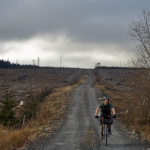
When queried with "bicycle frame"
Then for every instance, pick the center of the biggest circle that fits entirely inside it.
(105, 120)
(105, 133)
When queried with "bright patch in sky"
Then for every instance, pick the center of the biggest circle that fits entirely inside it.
(49, 52)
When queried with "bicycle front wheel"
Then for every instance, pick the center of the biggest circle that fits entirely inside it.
(106, 134)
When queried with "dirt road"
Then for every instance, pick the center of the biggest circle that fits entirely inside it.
(81, 130)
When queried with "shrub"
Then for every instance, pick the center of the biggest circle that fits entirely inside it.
(6, 113)
(32, 104)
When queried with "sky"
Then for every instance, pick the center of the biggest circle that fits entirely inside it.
(82, 32)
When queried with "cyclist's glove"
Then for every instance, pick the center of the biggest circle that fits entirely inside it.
(114, 116)
(96, 116)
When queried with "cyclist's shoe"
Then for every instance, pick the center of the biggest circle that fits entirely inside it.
(102, 136)
(109, 131)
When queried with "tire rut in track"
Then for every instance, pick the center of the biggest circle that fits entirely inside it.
(92, 139)
(72, 134)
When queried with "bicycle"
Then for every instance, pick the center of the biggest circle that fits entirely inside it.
(106, 120)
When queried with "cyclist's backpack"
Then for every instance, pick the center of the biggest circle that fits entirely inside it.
(105, 109)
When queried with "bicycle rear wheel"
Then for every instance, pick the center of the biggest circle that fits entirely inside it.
(106, 135)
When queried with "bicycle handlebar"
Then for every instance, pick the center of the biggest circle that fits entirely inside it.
(111, 117)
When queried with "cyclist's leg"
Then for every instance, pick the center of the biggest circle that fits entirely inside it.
(101, 126)
(109, 129)
(109, 126)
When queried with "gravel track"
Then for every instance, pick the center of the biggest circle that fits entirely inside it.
(80, 130)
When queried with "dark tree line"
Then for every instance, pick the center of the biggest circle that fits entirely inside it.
(106, 67)
(7, 64)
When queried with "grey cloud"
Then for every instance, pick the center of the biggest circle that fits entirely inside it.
(81, 20)
(88, 26)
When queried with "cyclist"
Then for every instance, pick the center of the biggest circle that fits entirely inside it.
(105, 108)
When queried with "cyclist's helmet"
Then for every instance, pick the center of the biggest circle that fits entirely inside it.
(105, 97)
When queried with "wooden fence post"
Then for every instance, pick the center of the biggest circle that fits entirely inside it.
(23, 121)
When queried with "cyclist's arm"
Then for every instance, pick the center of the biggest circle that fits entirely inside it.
(96, 112)
(113, 111)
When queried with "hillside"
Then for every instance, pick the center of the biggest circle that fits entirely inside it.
(46, 93)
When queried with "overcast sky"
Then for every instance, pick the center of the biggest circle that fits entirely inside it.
(83, 32)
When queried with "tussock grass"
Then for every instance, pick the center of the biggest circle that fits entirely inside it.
(13, 138)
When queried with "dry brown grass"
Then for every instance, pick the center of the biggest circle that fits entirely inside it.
(48, 112)
(13, 138)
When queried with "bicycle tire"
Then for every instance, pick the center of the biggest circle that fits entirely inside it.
(105, 135)
(103, 131)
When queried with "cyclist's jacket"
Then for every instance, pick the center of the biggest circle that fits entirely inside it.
(105, 109)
